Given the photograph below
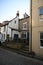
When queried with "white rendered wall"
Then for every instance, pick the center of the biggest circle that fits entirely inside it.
(14, 25)
(14, 32)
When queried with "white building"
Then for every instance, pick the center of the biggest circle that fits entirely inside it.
(9, 26)
(14, 26)
(5, 29)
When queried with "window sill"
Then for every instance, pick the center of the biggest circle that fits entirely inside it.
(40, 20)
(41, 47)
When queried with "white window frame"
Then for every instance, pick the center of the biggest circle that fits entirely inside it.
(40, 9)
(40, 19)
(40, 39)
(25, 24)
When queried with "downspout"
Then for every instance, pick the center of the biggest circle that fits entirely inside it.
(30, 43)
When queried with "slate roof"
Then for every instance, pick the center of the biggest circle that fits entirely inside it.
(1, 24)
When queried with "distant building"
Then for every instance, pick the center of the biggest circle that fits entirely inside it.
(0, 26)
(24, 27)
(4, 29)
(10, 27)
(14, 26)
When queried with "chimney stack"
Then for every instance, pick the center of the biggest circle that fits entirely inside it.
(17, 13)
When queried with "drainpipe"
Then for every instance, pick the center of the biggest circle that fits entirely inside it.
(30, 42)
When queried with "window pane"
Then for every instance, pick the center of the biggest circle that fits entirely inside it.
(15, 21)
(41, 41)
(4, 28)
(41, 11)
(25, 26)
(41, 35)
(23, 35)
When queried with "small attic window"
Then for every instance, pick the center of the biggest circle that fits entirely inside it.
(15, 22)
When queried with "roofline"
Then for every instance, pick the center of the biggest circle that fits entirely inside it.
(5, 24)
(18, 29)
(8, 22)
(24, 18)
(1, 24)
(13, 19)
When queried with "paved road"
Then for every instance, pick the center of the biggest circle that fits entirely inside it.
(11, 58)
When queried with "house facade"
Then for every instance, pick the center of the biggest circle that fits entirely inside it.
(14, 26)
(37, 27)
(5, 30)
(0, 26)
(24, 27)
(10, 27)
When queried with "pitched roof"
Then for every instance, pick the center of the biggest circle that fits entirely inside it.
(25, 15)
(5, 22)
(23, 18)
(18, 29)
(1, 24)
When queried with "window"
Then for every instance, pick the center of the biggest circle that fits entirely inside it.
(41, 11)
(41, 39)
(25, 25)
(4, 28)
(15, 22)
(3, 36)
(23, 35)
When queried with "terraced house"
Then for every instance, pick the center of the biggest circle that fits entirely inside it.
(37, 26)
(16, 28)
(5, 29)
(21, 29)
(1, 26)
(24, 27)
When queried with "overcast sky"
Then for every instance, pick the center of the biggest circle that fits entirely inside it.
(8, 8)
